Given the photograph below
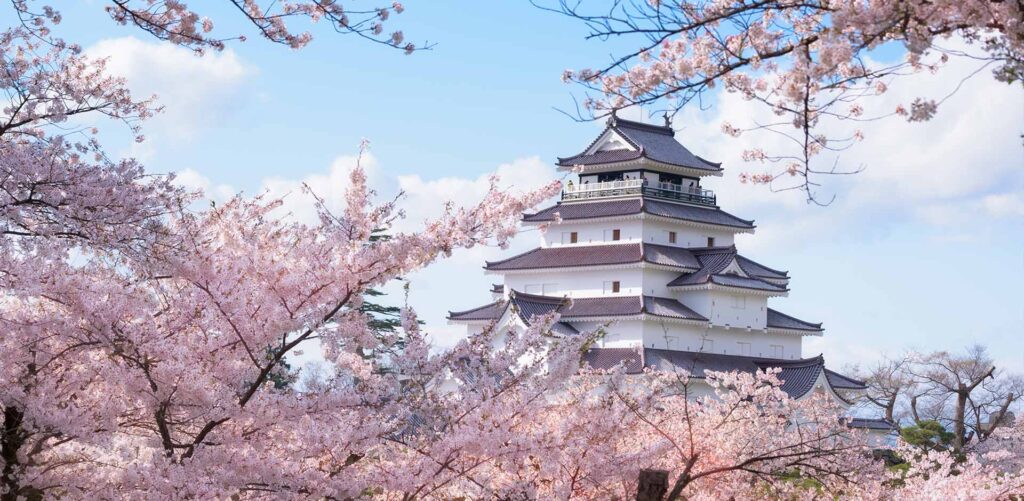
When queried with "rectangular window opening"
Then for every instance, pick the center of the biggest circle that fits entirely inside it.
(711, 241)
(671, 237)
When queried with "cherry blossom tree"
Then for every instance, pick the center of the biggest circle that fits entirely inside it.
(144, 338)
(176, 22)
(597, 432)
(810, 63)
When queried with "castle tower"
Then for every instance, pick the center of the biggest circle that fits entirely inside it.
(638, 241)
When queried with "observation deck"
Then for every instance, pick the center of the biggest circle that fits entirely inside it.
(634, 187)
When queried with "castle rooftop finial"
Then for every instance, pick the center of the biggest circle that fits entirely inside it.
(668, 120)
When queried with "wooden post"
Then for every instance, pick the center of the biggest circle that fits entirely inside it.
(652, 486)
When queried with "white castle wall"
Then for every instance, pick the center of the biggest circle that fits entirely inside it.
(577, 283)
(633, 231)
(654, 333)
(599, 233)
(656, 232)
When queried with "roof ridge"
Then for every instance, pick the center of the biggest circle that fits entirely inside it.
(844, 376)
(791, 317)
(779, 287)
(799, 362)
(500, 261)
(745, 258)
(539, 297)
(660, 129)
(720, 249)
(478, 308)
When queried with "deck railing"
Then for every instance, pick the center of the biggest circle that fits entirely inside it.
(627, 187)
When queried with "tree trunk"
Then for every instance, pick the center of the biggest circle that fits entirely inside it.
(652, 485)
(959, 423)
(11, 440)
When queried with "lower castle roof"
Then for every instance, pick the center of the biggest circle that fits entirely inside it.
(530, 305)
(798, 376)
(613, 208)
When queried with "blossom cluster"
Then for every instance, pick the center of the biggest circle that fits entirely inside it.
(807, 62)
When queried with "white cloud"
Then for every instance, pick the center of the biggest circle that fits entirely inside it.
(425, 198)
(1004, 204)
(193, 89)
(191, 179)
(963, 164)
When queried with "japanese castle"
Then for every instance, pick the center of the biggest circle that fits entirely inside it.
(639, 244)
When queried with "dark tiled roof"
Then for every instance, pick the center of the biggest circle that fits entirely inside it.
(650, 141)
(490, 311)
(497, 288)
(527, 308)
(714, 260)
(678, 257)
(564, 329)
(780, 320)
(530, 305)
(597, 255)
(696, 214)
(611, 306)
(587, 210)
(761, 271)
(601, 157)
(838, 380)
(609, 358)
(798, 376)
(666, 307)
(631, 206)
(871, 424)
(577, 255)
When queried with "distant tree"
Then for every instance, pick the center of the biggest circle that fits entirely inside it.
(927, 435)
(963, 393)
(887, 382)
(808, 62)
(972, 396)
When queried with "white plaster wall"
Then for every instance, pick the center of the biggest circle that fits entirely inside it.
(721, 307)
(656, 282)
(691, 337)
(618, 334)
(738, 310)
(630, 231)
(656, 232)
(580, 283)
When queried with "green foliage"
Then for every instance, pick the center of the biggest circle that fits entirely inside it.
(927, 435)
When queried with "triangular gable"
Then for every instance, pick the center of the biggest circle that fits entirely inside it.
(610, 140)
(734, 268)
(821, 384)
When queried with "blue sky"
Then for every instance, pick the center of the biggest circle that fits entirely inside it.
(925, 249)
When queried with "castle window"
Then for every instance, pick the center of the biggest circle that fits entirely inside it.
(671, 237)
(707, 345)
(711, 241)
(570, 237)
(744, 348)
(541, 289)
(612, 287)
